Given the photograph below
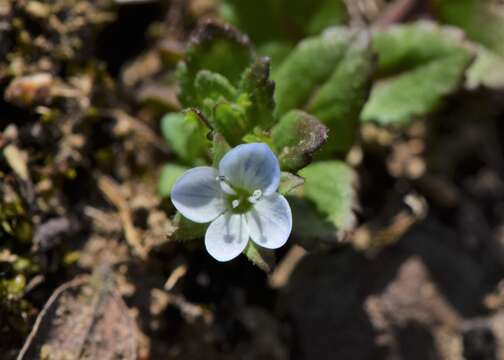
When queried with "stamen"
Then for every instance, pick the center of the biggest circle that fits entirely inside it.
(225, 185)
(256, 196)
(235, 203)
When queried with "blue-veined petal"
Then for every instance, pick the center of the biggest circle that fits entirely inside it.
(270, 221)
(197, 195)
(227, 236)
(251, 167)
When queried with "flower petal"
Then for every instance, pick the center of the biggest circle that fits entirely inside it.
(227, 236)
(270, 221)
(251, 167)
(197, 195)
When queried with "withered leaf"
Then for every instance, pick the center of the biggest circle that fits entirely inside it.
(30, 90)
(296, 137)
(83, 319)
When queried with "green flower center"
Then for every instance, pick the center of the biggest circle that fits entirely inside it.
(239, 200)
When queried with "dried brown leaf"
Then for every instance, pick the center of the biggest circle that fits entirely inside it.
(83, 319)
(114, 195)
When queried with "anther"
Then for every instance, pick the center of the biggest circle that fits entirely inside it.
(256, 196)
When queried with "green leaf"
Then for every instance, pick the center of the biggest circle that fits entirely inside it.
(487, 70)
(186, 135)
(482, 20)
(300, 18)
(259, 137)
(261, 257)
(231, 121)
(419, 64)
(290, 183)
(277, 51)
(217, 48)
(306, 68)
(258, 18)
(219, 148)
(267, 20)
(169, 175)
(328, 76)
(296, 137)
(329, 13)
(330, 186)
(186, 229)
(309, 229)
(259, 89)
(214, 86)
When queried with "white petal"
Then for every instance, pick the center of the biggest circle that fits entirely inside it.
(197, 195)
(227, 236)
(251, 167)
(270, 221)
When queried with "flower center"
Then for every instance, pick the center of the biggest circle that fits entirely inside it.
(239, 200)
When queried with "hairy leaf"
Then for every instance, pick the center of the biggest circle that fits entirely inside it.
(277, 51)
(270, 20)
(259, 89)
(329, 77)
(419, 64)
(217, 48)
(328, 13)
(483, 22)
(214, 86)
(259, 18)
(186, 135)
(309, 229)
(296, 137)
(487, 70)
(231, 121)
(330, 186)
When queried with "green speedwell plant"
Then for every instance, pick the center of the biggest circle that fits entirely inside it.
(326, 77)
(229, 122)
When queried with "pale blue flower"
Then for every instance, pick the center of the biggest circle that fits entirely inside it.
(240, 200)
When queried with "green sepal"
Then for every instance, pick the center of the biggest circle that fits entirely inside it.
(263, 258)
(186, 229)
(290, 184)
(219, 148)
